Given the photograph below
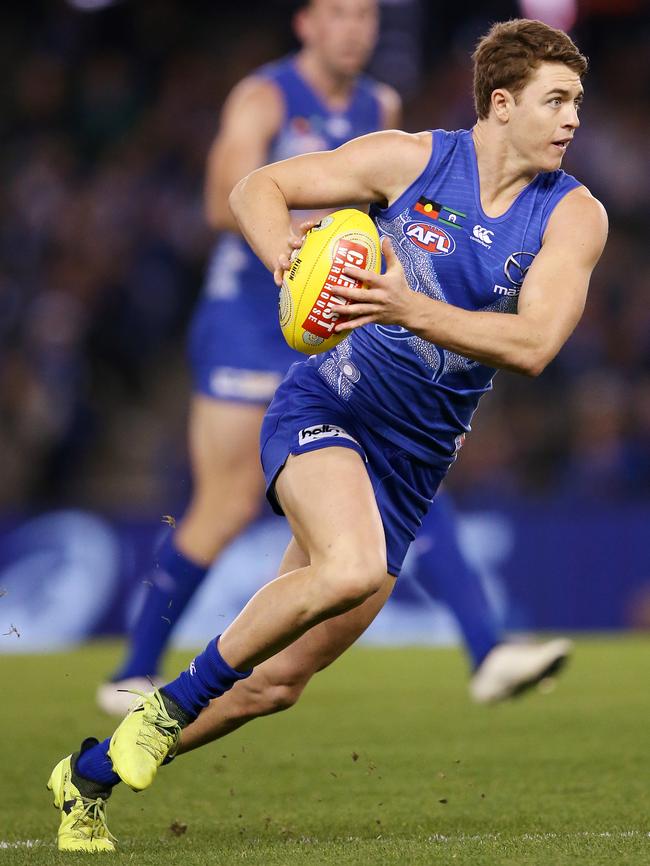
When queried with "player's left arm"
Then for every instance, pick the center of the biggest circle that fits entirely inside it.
(551, 300)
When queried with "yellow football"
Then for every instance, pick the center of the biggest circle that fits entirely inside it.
(309, 302)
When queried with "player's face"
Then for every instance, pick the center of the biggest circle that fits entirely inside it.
(545, 115)
(342, 33)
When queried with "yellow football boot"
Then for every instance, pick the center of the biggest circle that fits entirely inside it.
(82, 804)
(143, 740)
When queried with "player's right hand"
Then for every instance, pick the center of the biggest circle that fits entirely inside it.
(296, 240)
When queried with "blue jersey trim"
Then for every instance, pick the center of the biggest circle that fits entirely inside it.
(566, 183)
(476, 184)
(286, 72)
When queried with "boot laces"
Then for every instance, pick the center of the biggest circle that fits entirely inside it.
(92, 816)
(156, 719)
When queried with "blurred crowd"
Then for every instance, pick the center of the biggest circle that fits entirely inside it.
(106, 125)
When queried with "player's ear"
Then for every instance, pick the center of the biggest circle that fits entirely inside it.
(501, 101)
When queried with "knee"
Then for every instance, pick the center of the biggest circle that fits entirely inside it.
(280, 696)
(353, 579)
(263, 694)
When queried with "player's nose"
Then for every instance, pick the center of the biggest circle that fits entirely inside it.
(573, 119)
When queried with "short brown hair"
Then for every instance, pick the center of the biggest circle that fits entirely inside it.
(510, 52)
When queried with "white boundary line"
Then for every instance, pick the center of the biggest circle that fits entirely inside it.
(538, 837)
(483, 838)
(25, 843)
(436, 837)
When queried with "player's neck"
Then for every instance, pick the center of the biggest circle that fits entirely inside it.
(502, 172)
(334, 90)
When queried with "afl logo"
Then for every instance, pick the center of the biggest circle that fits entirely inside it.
(517, 265)
(431, 238)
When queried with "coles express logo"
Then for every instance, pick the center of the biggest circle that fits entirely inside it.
(430, 238)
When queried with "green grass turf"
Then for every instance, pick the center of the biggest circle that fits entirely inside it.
(384, 761)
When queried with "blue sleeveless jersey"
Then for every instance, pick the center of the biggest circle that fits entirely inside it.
(412, 392)
(236, 322)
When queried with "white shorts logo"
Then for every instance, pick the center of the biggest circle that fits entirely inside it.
(231, 382)
(322, 431)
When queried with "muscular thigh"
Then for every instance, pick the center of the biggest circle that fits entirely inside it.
(329, 502)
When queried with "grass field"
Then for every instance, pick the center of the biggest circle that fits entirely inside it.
(384, 761)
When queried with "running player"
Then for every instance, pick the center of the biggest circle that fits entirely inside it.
(355, 502)
(314, 101)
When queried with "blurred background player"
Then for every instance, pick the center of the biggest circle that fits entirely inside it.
(314, 100)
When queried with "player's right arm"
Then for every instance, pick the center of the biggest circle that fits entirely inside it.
(372, 168)
(251, 117)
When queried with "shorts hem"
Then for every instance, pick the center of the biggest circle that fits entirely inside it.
(312, 446)
(232, 398)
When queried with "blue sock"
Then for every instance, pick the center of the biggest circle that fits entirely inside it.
(207, 677)
(445, 574)
(174, 583)
(95, 765)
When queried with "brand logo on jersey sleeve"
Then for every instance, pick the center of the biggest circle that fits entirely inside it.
(432, 239)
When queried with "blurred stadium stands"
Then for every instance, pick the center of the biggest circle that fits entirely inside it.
(106, 121)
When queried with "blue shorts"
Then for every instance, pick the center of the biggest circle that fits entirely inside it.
(306, 416)
(236, 348)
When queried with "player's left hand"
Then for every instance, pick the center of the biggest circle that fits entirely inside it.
(387, 300)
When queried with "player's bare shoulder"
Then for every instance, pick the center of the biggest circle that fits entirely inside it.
(580, 220)
(391, 106)
(581, 203)
(255, 97)
(410, 157)
(395, 159)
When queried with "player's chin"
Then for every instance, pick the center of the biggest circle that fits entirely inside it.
(546, 165)
(351, 63)
(554, 157)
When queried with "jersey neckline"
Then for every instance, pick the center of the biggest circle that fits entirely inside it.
(476, 183)
(319, 99)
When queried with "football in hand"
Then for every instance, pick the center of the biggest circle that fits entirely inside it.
(309, 305)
